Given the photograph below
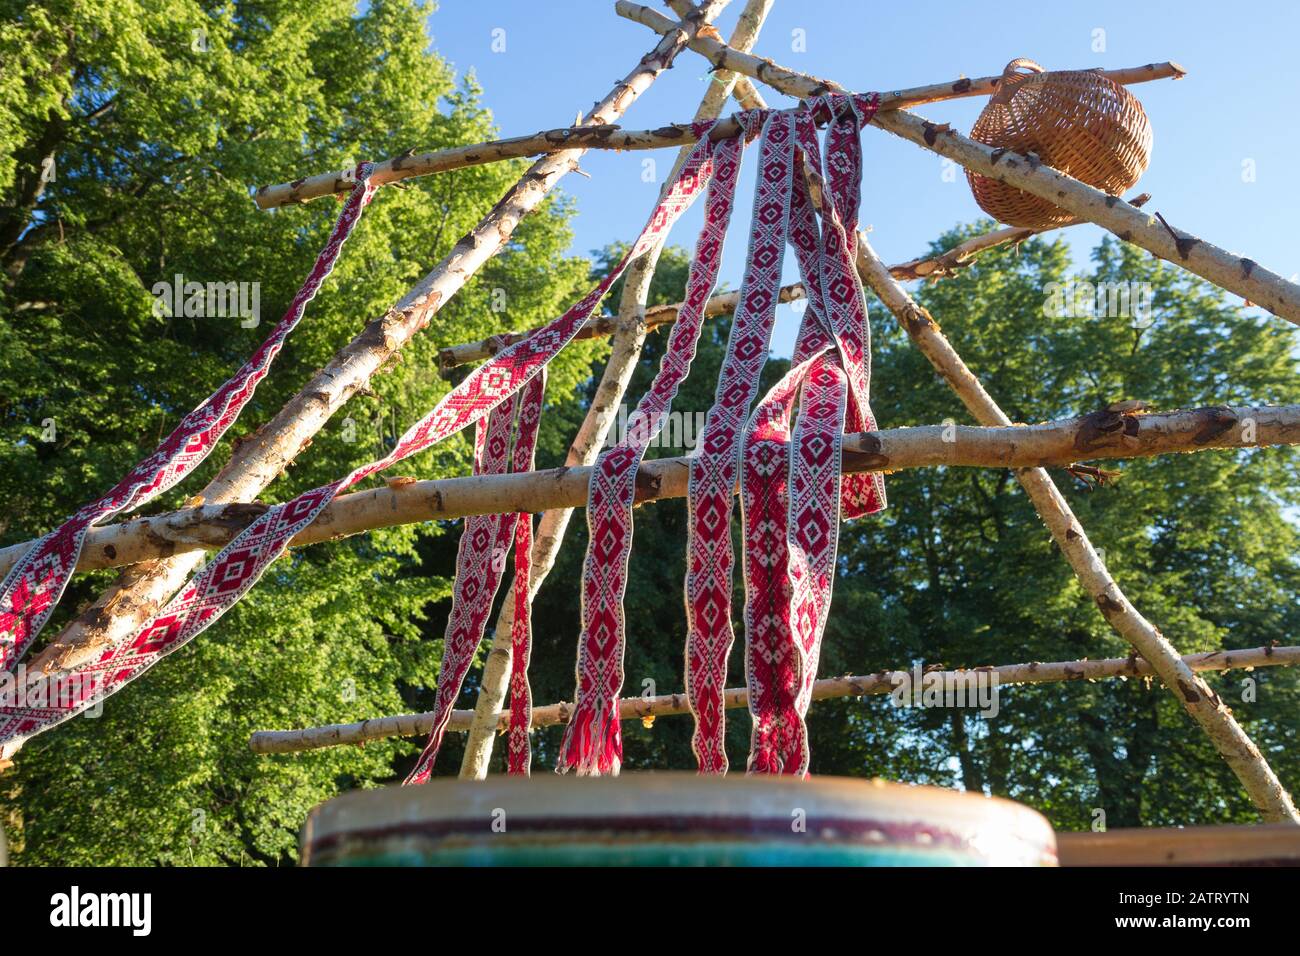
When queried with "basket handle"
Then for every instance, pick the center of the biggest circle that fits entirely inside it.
(1012, 77)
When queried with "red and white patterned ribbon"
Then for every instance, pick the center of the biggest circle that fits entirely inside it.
(797, 571)
(771, 654)
(519, 753)
(791, 487)
(775, 657)
(714, 470)
(238, 566)
(842, 294)
(771, 669)
(480, 560)
(34, 585)
(593, 739)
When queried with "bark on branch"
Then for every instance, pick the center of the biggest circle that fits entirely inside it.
(1102, 435)
(964, 253)
(615, 138)
(881, 682)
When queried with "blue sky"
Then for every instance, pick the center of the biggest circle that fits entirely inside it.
(1237, 104)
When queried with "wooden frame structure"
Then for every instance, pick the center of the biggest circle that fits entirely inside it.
(160, 552)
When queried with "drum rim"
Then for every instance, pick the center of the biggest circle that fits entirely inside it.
(854, 811)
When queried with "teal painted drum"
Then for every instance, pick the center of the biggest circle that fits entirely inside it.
(671, 819)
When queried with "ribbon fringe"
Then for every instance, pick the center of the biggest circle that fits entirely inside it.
(603, 638)
(593, 741)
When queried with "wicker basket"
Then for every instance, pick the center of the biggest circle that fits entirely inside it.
(1077, 121)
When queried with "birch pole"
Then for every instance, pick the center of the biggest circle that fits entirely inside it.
(405, 167)
(1107, 434)
(256, 461)
(625, 350)
(930, 268)
(881, 682)
(1197, 698)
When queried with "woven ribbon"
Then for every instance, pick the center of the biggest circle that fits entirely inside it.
(792, 494)
(480, 562)
(34, 585)
(716, 171)
(592, 739)
(791, 484)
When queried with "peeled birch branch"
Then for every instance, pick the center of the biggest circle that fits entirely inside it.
(926, 267)
(615, 138)
(1101, 435)
(881, 682)
(961, 255)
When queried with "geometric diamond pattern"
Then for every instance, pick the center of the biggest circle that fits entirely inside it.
(593, 740)
(34, 585)
(714, 470)
(478, 567)
(792, 492)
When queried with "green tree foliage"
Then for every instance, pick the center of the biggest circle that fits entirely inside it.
(158, 116)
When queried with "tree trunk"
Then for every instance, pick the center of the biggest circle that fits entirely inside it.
(972, 779)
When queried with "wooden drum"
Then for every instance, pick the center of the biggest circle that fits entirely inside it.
(673, 819)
